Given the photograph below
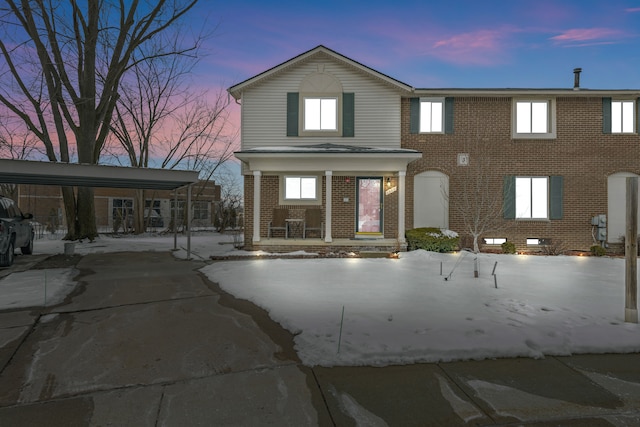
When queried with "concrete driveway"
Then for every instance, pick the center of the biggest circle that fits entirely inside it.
(147, 340)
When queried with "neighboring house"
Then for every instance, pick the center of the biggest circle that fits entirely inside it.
(378, 157)
(114, 207)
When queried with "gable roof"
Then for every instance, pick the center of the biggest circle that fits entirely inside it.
(320, 50)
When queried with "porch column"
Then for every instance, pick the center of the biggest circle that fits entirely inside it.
(256, 205)
(401, 202)
(328, 206)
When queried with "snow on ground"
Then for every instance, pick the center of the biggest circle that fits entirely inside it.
(375, 311)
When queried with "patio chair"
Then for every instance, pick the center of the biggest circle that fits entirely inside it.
(312, 222)
(279, 222)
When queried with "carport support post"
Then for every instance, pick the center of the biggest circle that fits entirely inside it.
(631, 253)
(175, 219)
(189, 221)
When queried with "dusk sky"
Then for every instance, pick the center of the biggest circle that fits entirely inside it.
(464, 44)
(454, 44)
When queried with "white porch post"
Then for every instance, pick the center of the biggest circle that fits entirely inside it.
(256, 205)
(328, 206)
(401, 203)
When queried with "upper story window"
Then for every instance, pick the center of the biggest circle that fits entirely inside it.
(533, 118)
(431, 115)
(320, 113)
(618, 115)
(321, 107)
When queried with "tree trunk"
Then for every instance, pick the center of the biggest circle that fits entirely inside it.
(139, 220)
(69, 200)
(86, 214)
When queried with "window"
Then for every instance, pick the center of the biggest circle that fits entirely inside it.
(321, 114)
(300, 187)
(431, 115)
(200, 209)
(527, 197)
(531, 197)
(494, 240)
(122, 208)
(534, 118)
(622, 116)
(618, 116)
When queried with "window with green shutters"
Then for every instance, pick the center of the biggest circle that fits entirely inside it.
(320, 115)
(533, 197)
(619, 116)
(431, 115)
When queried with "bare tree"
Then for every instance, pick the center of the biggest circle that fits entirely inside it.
(160, 121)
(228, 209)
(62, 65)
(15, 144)
(479, 197)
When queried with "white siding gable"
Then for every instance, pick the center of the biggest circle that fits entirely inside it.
(377, 108)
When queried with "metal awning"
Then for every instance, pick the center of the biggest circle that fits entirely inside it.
(84, 175)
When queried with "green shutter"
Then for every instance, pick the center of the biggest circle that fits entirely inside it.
(606, 115)
(448, 115)
(414, 116)
(293, 104)
(556, 184)
(509, 197)
(348, 114)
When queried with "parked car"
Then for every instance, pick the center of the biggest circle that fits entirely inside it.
(16, 230)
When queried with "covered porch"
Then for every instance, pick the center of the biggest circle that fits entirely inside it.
(338, 171)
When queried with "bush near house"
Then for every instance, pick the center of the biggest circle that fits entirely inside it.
(432, 239)
(508, 248)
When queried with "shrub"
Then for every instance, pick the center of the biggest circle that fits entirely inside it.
(597, 250)
(508, 248)
(432, 239)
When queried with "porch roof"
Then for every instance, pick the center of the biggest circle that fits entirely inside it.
(335, 157)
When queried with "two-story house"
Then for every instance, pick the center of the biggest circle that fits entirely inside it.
(371, 157)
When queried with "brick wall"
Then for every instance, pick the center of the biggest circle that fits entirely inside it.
(581, 153)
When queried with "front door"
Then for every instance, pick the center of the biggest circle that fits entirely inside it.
(369, 215)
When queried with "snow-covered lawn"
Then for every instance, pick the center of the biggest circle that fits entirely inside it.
(399, 311)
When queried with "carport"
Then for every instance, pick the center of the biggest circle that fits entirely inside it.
(84, 175)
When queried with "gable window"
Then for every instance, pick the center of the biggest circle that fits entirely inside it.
(533, 197)
(534, 118)
(300, 187)
(431, 115)
(321, 114)
(619, 116)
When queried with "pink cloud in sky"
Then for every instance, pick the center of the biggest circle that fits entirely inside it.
(632, 10)
(580, 36)
(482, 47)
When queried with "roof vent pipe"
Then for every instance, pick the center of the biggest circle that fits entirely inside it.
(576, 78)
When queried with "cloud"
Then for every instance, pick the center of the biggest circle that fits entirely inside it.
(588, 36)
(482, 47)
(632, 10)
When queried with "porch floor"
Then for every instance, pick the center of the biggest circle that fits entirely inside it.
(280, 245)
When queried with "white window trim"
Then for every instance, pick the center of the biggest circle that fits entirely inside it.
(633, 117)
(551, 123)
(282, 185)
(301, 114)
(533, 218)
(439, 100)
